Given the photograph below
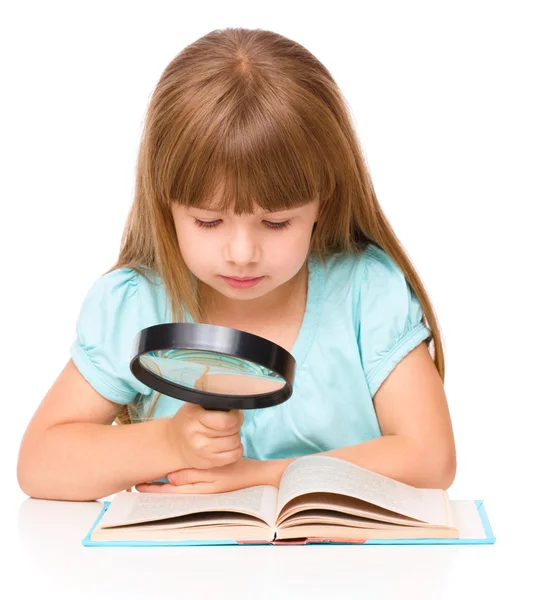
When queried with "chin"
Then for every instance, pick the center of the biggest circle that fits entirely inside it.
(242, 294)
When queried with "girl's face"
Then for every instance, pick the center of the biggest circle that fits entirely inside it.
(271, 247)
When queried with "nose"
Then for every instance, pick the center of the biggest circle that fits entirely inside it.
(242, 247)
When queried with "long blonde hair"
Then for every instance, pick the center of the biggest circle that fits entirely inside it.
(257, 117)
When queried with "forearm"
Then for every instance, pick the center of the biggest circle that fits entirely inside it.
(395, 456)
(87, 461)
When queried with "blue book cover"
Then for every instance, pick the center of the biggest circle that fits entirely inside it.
(487, 538)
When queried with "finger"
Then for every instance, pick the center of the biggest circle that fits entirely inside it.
(216, 433)
(220, 420)
(234, 426)
(202, 487)
(185, 476)
(167, 488)
(241, 417)
(232, 450)
(222, 445)
(201, 443)
(151, 487)
(222, 459)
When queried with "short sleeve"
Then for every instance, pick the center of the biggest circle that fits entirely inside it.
(106, 328)
(389, 317)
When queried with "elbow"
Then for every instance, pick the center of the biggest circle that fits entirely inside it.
(446, 478)
(40, 489)
(33, 490)
(435, 469)
(23, 478)
(444, 471)
(28, 469)
(27, 482)
(29, 486)
(449, 465)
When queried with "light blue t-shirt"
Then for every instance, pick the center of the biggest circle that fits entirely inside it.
(360, 320)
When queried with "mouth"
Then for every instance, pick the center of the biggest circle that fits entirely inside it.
(242, 282)
(241, 278)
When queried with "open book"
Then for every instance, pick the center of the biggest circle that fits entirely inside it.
(320, 499)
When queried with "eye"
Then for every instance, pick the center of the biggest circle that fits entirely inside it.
(206, 224)
(269, 224)
(280, 225)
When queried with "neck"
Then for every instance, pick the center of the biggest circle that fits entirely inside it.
(274, 304)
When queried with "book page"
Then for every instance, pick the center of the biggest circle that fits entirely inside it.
(138, 507)
(198, 521)
(330, 474)
(344, 505)
(467, 518)
(330, 517)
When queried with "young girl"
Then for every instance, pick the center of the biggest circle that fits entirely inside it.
(249, 168)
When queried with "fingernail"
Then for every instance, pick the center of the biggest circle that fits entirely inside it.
(171, 479)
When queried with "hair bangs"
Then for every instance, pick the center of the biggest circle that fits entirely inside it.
(255, 157)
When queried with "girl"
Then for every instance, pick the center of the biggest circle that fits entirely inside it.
(249, 169)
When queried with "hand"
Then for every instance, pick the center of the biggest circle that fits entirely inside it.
(245, 472)
(206, 438)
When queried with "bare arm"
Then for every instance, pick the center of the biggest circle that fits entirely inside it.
(417, 445)
(71, 450)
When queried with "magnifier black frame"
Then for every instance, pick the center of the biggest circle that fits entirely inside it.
(213, 338)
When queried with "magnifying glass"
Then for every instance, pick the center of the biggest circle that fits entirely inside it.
(217, 367)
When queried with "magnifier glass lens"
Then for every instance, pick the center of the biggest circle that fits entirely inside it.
(212, 372)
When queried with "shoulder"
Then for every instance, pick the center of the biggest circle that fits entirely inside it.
(372, 262)
(124, 281)
(122, 289)
(121, 302)
(378, 287)
(114, 309)
(357, 271)
(115, 285)
(388, 316)
(379, 270)
(361, 285)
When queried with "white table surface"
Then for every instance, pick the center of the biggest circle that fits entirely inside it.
(45, 553)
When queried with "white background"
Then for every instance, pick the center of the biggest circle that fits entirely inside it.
(444, 98)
